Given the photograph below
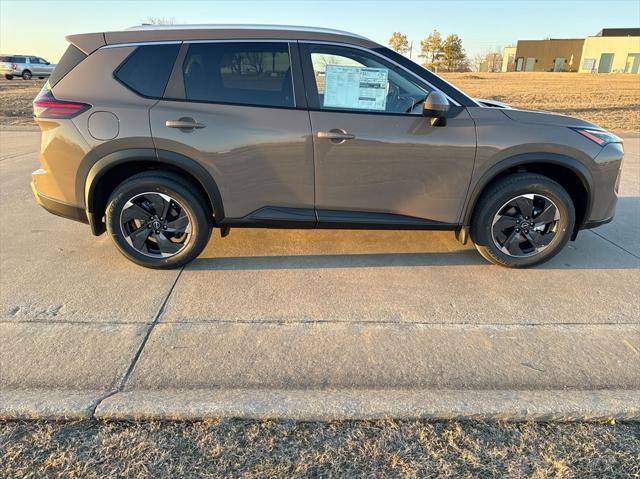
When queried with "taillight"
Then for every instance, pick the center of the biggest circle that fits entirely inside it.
(46, 105)
(14, 66)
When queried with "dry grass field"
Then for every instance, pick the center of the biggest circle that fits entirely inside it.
(256, 449)
(611, 101)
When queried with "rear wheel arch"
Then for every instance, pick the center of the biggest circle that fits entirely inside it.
(570, 173)
(111, 170)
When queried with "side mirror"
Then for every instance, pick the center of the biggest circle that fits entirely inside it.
(436, 106)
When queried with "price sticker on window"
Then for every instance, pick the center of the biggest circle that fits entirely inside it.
(352, 87)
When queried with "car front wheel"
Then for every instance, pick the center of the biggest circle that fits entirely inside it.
(157, 221)
(522, 220)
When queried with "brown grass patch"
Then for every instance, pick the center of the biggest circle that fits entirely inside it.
(15, 100)
(252, 449)
(611, 101)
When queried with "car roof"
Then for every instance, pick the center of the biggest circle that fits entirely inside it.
(88, 42)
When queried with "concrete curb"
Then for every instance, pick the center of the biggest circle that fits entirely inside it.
(324, 405)
(48, 404)
(19, 128)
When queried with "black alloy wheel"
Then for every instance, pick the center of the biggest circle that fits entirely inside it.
(525, 225)
(155, 224)
(159, 219)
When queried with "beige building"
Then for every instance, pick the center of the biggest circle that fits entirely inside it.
(508, 59)
(612, 50)
(551, 55)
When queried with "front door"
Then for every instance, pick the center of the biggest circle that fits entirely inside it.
(376, 156)
(558, 64)
(234, 110)
(35, 66)
(633, 63)
(606, 62)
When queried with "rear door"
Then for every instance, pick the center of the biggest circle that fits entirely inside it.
(375, 154)
(35, 66)
(238, 108)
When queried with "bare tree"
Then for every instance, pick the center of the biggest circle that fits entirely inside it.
(160, 21)
(477, 60)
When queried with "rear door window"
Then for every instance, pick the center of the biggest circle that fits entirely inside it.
(146, 71)
(245, 73)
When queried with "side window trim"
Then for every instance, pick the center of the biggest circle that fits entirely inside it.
(175, 86)
(308, 69)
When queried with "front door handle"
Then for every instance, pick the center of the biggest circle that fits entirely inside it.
(184, 124)
(336, 135)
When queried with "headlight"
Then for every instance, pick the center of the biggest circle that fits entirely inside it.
(600, 137)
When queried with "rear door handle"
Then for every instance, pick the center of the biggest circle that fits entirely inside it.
(335, 135)
(184, 124)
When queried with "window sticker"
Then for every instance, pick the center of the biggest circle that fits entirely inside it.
(356, 87)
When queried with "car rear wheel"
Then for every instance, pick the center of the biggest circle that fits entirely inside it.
(157, 222)
(522, 220)
(9, 77)
(26, 75)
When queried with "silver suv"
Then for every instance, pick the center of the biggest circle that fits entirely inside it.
(158, 135)
(25, 66)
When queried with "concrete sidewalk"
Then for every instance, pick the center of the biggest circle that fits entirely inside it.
(313, 324)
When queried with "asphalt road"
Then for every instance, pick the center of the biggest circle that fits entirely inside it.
(300, 323)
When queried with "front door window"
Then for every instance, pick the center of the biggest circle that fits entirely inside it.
(354, 80)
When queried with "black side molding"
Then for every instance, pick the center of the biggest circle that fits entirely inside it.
(383, 221)
(274, 217)
(304, 218)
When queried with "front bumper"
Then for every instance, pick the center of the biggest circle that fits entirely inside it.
(58, 208)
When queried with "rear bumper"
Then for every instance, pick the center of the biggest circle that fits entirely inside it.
(58, 208)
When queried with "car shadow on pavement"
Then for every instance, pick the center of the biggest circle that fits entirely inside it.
(565, 260)
(608, 247)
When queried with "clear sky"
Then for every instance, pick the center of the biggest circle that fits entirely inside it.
(39, 27)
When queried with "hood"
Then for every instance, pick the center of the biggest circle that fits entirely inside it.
(491, 103)
(544, 118)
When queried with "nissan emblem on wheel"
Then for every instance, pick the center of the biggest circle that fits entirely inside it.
(161, 137)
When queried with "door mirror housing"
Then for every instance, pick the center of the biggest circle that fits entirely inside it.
(436, 106)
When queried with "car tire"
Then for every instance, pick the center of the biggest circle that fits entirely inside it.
(522, 220)
(26, 75)
(9, 77)
(136, 222)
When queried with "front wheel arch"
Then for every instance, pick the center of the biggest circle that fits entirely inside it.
(570, 173)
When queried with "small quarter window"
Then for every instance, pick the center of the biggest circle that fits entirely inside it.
(147, 70)
(242, 73)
